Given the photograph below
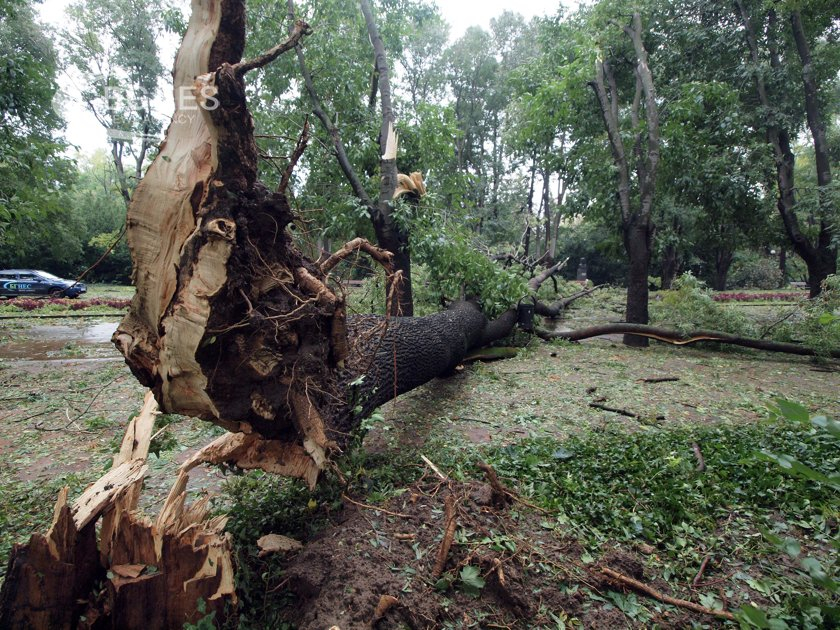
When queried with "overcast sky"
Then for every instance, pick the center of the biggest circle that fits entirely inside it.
(84, 131)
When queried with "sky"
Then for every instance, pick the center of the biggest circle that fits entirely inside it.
(85, 132)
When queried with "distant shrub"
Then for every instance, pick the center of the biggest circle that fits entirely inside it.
(752, 271)
(690, 306)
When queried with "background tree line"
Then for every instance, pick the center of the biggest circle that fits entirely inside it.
(649, 139)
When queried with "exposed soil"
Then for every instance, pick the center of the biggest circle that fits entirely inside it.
(533, 576)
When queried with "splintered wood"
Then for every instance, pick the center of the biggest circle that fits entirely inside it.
(136, 573)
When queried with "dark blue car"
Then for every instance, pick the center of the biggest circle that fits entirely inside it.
(30, 282)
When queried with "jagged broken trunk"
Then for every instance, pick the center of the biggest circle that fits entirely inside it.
(231, 323)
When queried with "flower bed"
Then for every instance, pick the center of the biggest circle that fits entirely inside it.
(788, 296)
(31, 304)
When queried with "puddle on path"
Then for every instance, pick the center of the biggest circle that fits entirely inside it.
(45, 343)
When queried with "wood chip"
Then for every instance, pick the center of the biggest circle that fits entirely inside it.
(272, 543)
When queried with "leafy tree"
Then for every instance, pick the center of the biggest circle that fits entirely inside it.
(775, 69)
(113, 47)
(636, 204)
(33, 173)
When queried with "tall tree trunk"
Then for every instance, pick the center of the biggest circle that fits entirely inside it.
(669, 266)
(388, 233)
(636, 224)
(637, 240)
(819, 257)
(826, 263)
(723, 261)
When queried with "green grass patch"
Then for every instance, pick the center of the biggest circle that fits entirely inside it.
(646, 486)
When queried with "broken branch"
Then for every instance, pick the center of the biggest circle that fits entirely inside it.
(448, 534)
(300, 147)
(667, 599)
(300, 29)
(382, 256)
(679, 338)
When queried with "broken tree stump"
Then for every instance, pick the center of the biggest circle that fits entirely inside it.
(136, 573)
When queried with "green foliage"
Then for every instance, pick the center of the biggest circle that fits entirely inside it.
(754, 271)
(645, 486)
(818, 324)
(689, 306)
(827, 578)
(470, 581)
(455, 265)
(207, 622)
(32, 172)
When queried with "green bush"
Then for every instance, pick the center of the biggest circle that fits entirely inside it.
(690, 306)
(818, 323)
(753, 271)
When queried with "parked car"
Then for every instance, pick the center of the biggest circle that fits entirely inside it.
(27, 282)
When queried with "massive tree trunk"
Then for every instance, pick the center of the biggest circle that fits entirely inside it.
(231, 322)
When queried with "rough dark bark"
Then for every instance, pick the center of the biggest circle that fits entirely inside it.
(637, 225)
(819, 256)
(670, 266)
(723, 261)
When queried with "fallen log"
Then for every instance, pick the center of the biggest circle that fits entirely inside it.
(680, 338)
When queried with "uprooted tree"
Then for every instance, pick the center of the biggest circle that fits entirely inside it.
(232, 324)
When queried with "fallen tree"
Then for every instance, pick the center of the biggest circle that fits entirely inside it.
(231, 322)
(676, 337)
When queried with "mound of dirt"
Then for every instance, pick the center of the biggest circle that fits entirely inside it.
(507, 567)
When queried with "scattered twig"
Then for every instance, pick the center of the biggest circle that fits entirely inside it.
(35, 415)
(661, 379)
(623, 412)
(698, 455)
(95, 396)
(699, 575)
(769, 328)
(448, 534)
(501, 495)
(434, 468)
(667, 599)
(373, 507)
